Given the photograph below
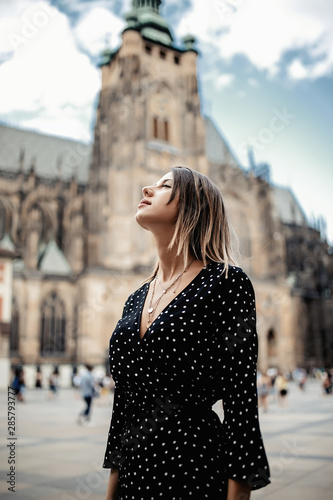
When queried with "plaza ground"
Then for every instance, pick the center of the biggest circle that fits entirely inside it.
(57, 459)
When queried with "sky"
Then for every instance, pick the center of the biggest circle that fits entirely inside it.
(265, 74)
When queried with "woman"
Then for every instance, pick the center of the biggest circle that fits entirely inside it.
(187, 339)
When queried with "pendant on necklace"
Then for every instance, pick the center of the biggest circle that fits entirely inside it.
(150, 310)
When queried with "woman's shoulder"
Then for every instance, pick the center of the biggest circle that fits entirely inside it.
(230, 272)
(135, 298)
(228, 278)
(138, 293)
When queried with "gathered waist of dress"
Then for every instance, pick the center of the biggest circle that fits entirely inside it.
(166, 407)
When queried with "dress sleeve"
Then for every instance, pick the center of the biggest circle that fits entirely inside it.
(113, 455)
(245, 455)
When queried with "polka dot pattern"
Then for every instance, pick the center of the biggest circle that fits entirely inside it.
(164, 436)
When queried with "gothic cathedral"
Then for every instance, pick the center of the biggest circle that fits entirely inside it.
(69, 216)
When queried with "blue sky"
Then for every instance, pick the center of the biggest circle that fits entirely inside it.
(260, 60)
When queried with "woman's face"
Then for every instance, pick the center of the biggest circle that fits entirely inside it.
(154, 210)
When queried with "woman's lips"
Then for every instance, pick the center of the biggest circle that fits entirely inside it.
(144, 202)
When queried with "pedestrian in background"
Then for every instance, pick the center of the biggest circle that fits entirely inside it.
(264, 386)
(53, 383)
(282, 385)
(87, 386)
(18, 384)
(38, 383)
(327, 382)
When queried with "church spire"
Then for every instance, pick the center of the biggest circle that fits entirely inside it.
(152, 4)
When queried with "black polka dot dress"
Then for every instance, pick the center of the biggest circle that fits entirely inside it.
(164, 437)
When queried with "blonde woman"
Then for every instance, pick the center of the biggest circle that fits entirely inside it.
(187, 338)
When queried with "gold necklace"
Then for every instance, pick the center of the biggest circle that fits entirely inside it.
(152, 308)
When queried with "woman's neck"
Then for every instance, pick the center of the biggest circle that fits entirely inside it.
(170, 264)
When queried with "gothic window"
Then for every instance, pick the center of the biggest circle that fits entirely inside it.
(161, 129)
(5, 219)
(14, 330)
(271, 343)
(160, 109)
(162, 54)
(148, 49)
(2, 221)
(40, 224)
(155, 128)
(166, 130)
(53, 326)
(177, 60)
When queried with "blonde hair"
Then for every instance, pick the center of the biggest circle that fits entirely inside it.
(202, 227)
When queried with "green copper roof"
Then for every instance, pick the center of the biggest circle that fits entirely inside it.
(155, 36)
(145, 18)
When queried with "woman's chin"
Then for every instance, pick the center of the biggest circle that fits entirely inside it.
(140, 221)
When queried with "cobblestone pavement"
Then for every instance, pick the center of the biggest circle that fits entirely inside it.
(57, 459)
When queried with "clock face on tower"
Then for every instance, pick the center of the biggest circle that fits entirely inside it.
(160, 105)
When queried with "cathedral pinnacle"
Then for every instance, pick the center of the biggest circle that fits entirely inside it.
(152, 4)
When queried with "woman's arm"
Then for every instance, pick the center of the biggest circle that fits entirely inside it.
(112, 490)
(245, 457)
(238, 491)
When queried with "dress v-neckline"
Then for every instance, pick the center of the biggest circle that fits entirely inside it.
(167, 306)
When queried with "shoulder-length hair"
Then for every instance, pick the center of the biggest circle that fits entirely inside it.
(202, 227)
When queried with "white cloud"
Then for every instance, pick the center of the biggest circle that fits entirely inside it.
(296, 70)
(84, 6)
(95, 27)
(265, 30)
(225, 80)
(48, 78)
(13, 16)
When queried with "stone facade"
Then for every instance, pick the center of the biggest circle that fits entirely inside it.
(71, 216)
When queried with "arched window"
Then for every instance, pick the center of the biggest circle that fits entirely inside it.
(14, 339)
(5, 218)
(53, 326)
(155, 128)
(271, 343)
(161, 129)
(2, 221)
(166, 130)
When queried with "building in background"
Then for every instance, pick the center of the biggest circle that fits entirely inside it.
(7, 255)
(69, 207)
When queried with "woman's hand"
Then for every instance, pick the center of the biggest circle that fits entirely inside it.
(112, 491)
(238, 491)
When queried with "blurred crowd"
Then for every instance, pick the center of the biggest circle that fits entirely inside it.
(273, 385)
(101, 384)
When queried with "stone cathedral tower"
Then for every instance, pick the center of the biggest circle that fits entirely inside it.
(82, 252)
(148, 119)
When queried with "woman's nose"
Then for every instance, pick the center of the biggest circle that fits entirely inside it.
(147, 191)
